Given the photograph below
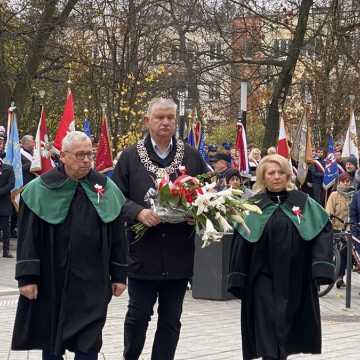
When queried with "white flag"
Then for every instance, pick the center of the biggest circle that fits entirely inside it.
(351, 143)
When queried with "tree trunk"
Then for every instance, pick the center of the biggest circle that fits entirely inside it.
(283, 83)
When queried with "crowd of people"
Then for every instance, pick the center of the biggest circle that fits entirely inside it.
(76, 248)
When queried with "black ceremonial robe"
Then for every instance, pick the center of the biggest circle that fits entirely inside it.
(73, 263)
(275, 279)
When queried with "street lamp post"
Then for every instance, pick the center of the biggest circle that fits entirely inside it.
(243, 102)
(181, 97)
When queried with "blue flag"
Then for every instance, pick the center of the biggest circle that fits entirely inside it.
(13, 154)
(190, 138)
(331, 169)
(202, 149)
(87, 127)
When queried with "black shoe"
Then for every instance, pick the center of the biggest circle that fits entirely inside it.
(340, 283)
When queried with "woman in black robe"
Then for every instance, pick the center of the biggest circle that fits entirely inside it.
(276, 266)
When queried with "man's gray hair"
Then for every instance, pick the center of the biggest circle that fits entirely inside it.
(26, 138)
(71, 137)
(163, 102)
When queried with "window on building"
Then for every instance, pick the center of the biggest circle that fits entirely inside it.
(284, 46)
(214, 92)
(215, 50)
(175, 53)
(248, 49)
(276, 48)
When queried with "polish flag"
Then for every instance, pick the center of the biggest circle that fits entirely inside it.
(104, 158)
(67, 122)
(42, 161)
(282, 146)
(241, 149)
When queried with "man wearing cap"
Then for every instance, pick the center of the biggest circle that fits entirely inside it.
(351, 168)
(7, 183)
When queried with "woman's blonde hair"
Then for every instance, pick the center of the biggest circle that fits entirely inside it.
(259, 185)
(253, 152)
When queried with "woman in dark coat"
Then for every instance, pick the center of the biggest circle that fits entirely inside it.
(276, 266)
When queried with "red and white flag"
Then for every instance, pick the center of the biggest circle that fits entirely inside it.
(67, 122)
(104, 158)
(241, 150)
(42, 162)
(282, 146)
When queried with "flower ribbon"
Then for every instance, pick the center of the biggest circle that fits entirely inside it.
(100, 191)
(297, 212)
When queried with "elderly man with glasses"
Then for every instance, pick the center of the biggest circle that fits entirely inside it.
(71, 258)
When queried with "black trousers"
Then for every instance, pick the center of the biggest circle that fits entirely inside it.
(5, 228)
(142, 297)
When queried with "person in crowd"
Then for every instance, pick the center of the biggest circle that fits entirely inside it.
(338, 206)
(316, 176)
(271, 150)
(7, 183)
(233, 178)
(220, 166)
(254, 159)
(276, 266)
(339, 160)
(354, 213)
(351, 167)
(250, 146)
(161, 262)
(227, 151)
(71, 257)
(27, 151)
(212, 151)
(237, 181)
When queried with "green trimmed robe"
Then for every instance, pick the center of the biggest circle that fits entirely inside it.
(71, 245)
(274, 270)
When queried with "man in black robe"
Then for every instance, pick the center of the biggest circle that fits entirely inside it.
(161, 262)
(71, 257)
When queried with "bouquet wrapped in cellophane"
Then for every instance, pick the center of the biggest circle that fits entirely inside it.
(188, 199)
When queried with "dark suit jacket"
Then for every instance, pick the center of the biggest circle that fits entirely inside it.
(7, 183)
(26, 165)
(166, 251)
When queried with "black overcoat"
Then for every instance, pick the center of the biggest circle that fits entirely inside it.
(7, 183)
(166, 251)
(74, 264)
(275, 279)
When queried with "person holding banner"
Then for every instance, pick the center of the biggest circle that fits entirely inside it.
(7, 182)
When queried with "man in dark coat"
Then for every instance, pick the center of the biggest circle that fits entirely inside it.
(7, 183)
(27, 150)
(161, 262)
(71, 257)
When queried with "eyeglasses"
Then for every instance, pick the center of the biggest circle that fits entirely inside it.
(81, 155)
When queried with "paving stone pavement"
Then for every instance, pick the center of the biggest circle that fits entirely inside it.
(210, 331)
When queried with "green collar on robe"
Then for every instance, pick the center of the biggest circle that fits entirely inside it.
(49, 196)
(313, 217)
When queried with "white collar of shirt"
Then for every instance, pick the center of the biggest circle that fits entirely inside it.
(159, 153)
